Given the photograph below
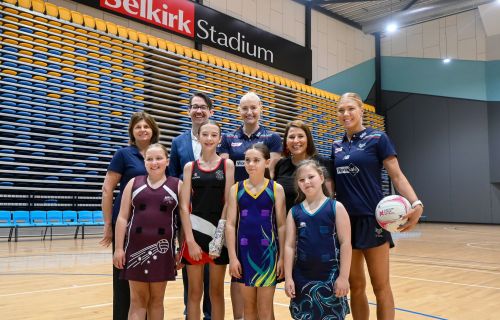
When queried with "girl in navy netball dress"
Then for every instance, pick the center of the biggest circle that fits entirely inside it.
(255, 234)
(203, 212)
(145, 235)
(317, 249)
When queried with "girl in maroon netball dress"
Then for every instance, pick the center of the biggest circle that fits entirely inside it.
(203, 212)
(145, 235)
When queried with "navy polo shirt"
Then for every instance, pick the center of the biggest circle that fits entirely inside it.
(358, 170)
(236, 143)
(128, 162)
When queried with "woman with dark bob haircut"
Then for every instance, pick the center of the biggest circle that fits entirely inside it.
(298, 145)
(127, 163)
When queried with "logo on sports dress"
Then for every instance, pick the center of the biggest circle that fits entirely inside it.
(363, 135)
(168, 200)
(378, 232)
(362, 145)
(240, 163)
(195, 176)
(219, 174)
(337, 150)
(236, 144)
(302, 224)
(351, 168)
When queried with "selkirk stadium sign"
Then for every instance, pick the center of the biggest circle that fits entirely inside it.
(215, 29)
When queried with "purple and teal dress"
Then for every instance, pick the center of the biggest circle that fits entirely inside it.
(317, 265)
(257, 238)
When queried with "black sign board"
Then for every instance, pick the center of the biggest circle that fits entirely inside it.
(237, 37)
(215, 29)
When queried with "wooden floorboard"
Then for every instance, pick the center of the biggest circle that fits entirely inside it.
(438, 271)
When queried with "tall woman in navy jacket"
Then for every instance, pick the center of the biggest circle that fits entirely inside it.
(359, 158)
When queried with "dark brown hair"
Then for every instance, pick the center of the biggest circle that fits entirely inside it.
(264, 150)
(321, 171)
(138, 116)
(208, 101)
(210, 122)
(311, 149)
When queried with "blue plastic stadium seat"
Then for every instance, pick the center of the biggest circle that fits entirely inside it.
(21, 218)
(85, 217)
(98, 217)
(38, 218)
(6, 221)
(54, 218)
(70, 217)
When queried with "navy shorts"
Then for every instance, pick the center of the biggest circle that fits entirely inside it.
(366, 233)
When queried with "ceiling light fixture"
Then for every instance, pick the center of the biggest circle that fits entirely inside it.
(391, 27)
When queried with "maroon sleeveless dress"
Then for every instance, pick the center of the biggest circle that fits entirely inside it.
(150, 238)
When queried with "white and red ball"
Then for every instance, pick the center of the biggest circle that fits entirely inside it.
(390, 212)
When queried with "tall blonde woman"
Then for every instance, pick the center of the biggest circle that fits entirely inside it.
(359, 158)
(127, 163)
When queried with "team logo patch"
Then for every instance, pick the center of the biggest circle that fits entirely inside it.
(219, 174)
(337, 150)
(362, 145)
(378, 232)
(240, 163)
(236, 144)
(302, 224)
(195, 175)
(351, 169)
(363, 135)
(168, 200)
(346, 157)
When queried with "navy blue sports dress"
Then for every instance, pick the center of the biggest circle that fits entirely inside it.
(317, 265)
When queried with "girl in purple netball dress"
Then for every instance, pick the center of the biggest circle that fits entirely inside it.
(255, 234)
(145, 235)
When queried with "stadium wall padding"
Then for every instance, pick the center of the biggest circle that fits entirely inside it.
(359, 78)
(493, 80)
(447, 149)
(464, 79)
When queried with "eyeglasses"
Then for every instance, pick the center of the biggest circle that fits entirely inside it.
(199, 107)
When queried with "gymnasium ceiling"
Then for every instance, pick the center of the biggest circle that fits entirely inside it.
(373, 16)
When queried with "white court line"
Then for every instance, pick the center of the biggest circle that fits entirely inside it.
(449, 282)
(469, 231)
(281, 304)
(166, 298)
(97, 305)
(109, 304)
(477, 245)
(467, 267)
(55, 289)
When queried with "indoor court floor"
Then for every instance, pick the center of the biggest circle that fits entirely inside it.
(438, 271)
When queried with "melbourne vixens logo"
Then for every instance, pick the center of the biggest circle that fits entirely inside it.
(351, 169)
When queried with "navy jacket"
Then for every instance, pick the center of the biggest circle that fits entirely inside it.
(181, 153)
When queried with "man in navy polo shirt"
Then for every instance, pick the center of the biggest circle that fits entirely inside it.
(234, 145)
